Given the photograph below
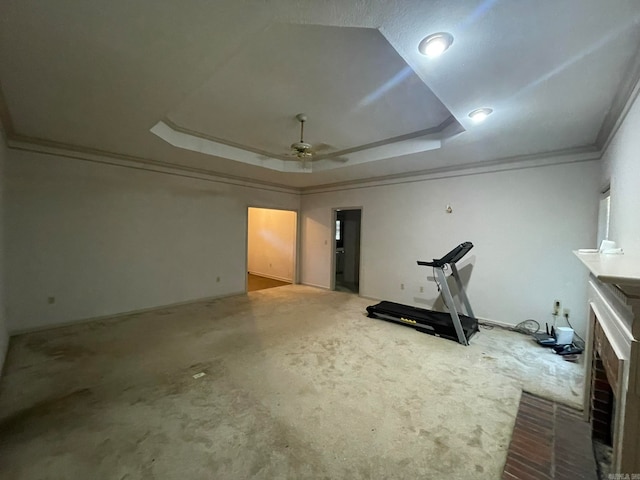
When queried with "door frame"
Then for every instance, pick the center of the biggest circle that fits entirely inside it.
(296, 247)
(334, 217)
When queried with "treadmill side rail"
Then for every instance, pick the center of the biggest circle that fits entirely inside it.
(448, 300)
(461, 291)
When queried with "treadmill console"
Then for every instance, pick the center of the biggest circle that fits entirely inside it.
(452, 257)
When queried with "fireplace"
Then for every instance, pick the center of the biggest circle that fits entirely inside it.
(602, 405)
(612, 386)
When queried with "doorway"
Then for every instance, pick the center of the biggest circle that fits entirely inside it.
(346, 272)
(271, 248)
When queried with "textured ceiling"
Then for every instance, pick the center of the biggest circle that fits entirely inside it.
(99, 75)
(349, 80)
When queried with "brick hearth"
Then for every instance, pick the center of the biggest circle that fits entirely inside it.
(550, 441)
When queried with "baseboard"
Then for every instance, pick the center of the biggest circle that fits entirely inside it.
(273, 277)
(367, 297)
(308, 284)
(187, 302)
(115, 316)
(496, 323)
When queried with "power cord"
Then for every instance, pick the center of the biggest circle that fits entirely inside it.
(526, 327)
(531, 326)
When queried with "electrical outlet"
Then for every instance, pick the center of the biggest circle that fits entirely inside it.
(217, 279)
(402, 286)
(421, 289)
(51, 300)
(565, 312)
(556, 307)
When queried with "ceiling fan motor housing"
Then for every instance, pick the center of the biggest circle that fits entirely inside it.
(301, 146)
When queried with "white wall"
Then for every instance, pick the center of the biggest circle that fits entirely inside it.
(104, 239)
(4, 334)
(272, 243)
(524, 225)
(621, 169)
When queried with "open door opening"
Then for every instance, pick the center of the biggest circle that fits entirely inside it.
(271, 248)
(347, 250)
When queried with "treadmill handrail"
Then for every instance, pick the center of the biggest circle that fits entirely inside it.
(452, 257)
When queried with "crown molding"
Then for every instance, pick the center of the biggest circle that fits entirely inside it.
(626, 94)
(229, 143)
(410, 143)
(558, 157)
(581, 154)
(447, 122)
(450, 120)
(46, 147)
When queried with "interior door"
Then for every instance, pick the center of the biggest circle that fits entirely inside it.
(347, 250)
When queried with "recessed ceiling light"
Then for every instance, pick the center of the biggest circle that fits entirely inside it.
(479, 114)
(436, 43)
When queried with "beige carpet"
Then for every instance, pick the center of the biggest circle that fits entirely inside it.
(299, 384)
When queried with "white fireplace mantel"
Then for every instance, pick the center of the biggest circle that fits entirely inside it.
(616, 269)
(622, 270)
(614, 305)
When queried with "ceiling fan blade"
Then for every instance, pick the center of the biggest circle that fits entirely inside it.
(333, 157)
(321, 147)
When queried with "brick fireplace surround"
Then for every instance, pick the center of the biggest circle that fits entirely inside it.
(613, 355)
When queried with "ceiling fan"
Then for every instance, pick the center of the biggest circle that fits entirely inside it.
(302, 150)
(305, 151)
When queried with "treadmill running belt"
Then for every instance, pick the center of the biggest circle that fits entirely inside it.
(426, 321)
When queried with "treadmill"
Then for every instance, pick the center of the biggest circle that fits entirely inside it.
(453, 325)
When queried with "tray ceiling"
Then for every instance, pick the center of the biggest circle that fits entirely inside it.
(98, 79)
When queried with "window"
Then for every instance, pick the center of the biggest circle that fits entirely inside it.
(603, 216)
